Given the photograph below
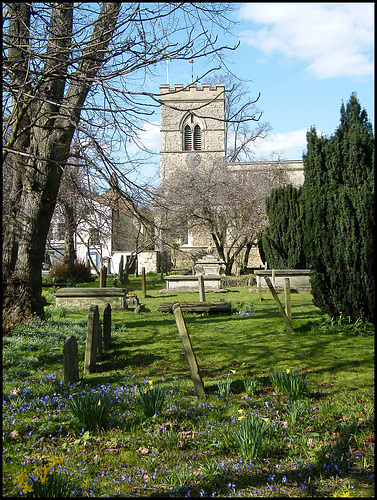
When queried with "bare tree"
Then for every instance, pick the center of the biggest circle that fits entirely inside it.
(72, 70)
(228, 205)
(242, 119)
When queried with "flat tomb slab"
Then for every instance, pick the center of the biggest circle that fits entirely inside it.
(83, 298)
(299, 279)
(199, 307)
(182, 281)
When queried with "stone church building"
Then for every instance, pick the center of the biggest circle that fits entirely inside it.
(192, 134)
(193, 131)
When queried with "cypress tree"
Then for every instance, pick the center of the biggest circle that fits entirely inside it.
(281, 244)
(339, 215)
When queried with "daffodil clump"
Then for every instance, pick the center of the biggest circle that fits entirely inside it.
(150, 398)
(290, 382)
(92, 410)
(248, 437)
(45, 481)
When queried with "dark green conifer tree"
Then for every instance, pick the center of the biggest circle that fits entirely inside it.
(339, 215)
(281, 245)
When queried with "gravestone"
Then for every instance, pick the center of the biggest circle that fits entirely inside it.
(91, 345)
(131, 300)
(70, 361)
(107, 327)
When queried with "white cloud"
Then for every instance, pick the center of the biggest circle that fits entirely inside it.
(288, 145)
(333, 39)
(147, 137)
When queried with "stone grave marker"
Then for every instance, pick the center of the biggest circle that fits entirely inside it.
(70, 361)
(91, 345)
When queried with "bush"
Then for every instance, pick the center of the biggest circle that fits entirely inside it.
(78, 272)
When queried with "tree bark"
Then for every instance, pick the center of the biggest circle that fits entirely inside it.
(43, 147)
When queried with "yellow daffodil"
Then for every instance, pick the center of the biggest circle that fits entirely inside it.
(241, 410)
(22, 476)
(288, 370)
(86, 483)
(99, 402)
(27, 489)
(265, 419)
(233, 371)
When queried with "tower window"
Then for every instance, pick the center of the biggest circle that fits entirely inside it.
(197, 138)
(188, 138)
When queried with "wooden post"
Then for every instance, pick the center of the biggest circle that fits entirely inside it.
(280, 307)
(102, 277)
(107, 327)
(189, 352)
(121, 270)
(143, 283)
(259, 284)
(202, 293)
(91, 345)
(70, 361)
(287, 296)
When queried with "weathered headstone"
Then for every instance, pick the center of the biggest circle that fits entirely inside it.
(287, 296)
(107, 327)
(70, 361)
(202, 293)
(99, 340)
(91, 345)
(132, 300)
(189, 352)
(143, 283)
(102, 277)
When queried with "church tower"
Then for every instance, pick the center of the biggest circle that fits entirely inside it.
(192, 126)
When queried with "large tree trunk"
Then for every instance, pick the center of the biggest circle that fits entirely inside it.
(44, 147)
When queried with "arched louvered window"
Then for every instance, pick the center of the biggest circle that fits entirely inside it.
(188, 138)
(197, 138)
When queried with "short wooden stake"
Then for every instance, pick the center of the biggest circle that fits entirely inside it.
(287, 296)
(70, 361)
(107, 327)
(189, 352)
(280, 307)
(91, 345)
(202, 293)
(102, 277)
(143, 283)
(259, 288)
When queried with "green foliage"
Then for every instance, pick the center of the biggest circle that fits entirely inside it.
(73, 273)
(339, 216)
(150, 399)
(282, 242)
(92, 410)
(252, 387)
(223, 386)
(53, 485)
(290, 382)
(249, 436)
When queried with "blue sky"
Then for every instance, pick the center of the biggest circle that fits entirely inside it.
(304, 58)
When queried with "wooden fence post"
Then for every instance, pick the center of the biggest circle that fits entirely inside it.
(202, 293)
(70, 361)
(143, 283)
(280, 307)
(287, 296)
(189, 352)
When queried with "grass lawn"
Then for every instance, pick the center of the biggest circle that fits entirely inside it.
(318, 444)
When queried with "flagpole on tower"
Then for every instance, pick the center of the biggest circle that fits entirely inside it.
(191, 61)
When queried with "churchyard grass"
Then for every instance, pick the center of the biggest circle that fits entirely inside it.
(319, 444)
